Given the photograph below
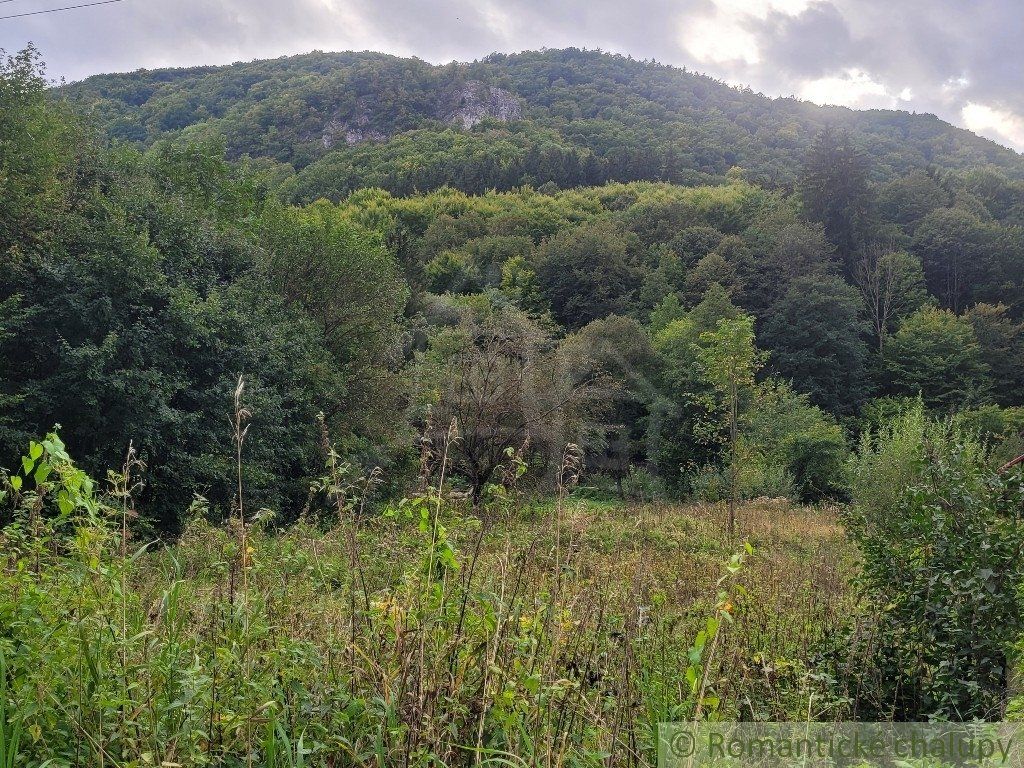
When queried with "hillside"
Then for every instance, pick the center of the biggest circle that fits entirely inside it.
(571, 117)
(506, 474)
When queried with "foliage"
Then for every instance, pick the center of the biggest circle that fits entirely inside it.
(587, 273)
(834, 188)
(495, 380)
(891, 284)
(343, 279)
(354, 120)
(795, 444)
(940, 535)
(936, 354)
(1001, 339)
(519, 640)
(642, 486)
(618, 359)
(814, 336)
(157, 279)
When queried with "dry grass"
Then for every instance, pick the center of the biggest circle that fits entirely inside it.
(550, 636)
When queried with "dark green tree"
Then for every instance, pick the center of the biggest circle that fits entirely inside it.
(588, 273)
(834, 189)
(937, 354)
(1001, 339)
(814, 334)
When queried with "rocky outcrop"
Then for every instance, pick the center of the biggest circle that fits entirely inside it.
(356, 130)
(464, 105)
(474, 101)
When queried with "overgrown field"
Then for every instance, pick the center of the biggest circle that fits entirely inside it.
(522, 630)
(548, 633)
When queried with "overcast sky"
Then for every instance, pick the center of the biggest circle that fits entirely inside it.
(960, 59)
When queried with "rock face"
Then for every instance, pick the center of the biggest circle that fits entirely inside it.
(355, 130)
(475, 101)
(464, 105)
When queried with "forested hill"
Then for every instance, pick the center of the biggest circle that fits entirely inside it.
(341, 121)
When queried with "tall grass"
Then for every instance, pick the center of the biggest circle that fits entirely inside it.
(431, 635)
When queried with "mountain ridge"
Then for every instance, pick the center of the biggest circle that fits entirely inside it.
(592, 116)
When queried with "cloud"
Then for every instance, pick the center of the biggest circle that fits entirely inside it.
(854, 88)
(998, 124)
(962, 61)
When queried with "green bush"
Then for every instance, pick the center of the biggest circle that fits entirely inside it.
(1002, 429)
(641, 485)
(709, 484)
(940, 536)
(801, 441)
(762, 478)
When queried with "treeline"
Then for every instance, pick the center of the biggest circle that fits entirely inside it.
(586, 118)
(715, 341)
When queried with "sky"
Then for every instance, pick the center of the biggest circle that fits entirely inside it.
(962, 60)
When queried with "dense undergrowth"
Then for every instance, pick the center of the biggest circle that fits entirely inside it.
(551, 633)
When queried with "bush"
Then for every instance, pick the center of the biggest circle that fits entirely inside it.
(761, 478)
(641, 485)
(799, 440)
(888, 461)
(940, 537)
(815, 458)
(598, 486)
(1002, 429)
(709, 484)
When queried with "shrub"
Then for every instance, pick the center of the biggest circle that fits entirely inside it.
(762, 478)
(940, 536)
(815, 458)
(709, 484)
(800, 440)
(641, 485)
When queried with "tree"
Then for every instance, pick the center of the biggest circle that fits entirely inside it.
(958, 252)
(814, 336)
(344, 280)
(908, 199)
(1001, 339)
(667, 279)
(728, 359)
(892, 286)
(587, 273)
(834, 189)
(39, 142)
(694, 243)
(937, 354)
(618, 352)
(498, 379)
(148, 302)
(713, 269)
(787, 435)
(784, 249)
(519, 284)
(668, 310)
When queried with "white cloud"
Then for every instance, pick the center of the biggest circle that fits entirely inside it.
(999, 124)
(723, 34)
(496, 19)
(854, 88)
(708, 39)
(955, 85)
(760, 9)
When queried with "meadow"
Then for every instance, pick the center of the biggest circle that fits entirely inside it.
(537, 631)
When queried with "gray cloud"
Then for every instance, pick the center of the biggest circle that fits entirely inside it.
(814, 43)
(962, 61)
